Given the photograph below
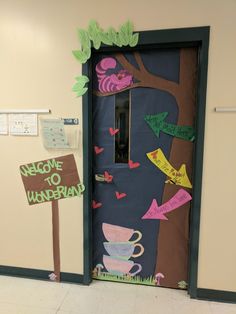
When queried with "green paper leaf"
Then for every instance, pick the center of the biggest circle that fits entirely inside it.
(93, 29)
(134, 40)
(117, 41)
(94, 33)
(124, 35)
(80, 55)
(84, 39)
(87, 53)
(97, 42)
(81, 81)
(129, 28)
(106, 39)
(123, 39)
(80, 90)
(79, 87)
(112, 34)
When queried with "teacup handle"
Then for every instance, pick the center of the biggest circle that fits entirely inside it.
(137, 271)
(139, 236)
(141, 250)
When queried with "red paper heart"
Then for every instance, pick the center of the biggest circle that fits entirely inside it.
(108, 177)
(113, 131)
(120, 195)
(96, 205)
(133, 165)
(98, 150)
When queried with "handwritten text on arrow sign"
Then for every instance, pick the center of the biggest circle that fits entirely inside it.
(157, 212)
(157, 124)
(178, 177)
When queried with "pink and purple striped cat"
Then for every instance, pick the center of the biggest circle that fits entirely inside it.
(114, 82)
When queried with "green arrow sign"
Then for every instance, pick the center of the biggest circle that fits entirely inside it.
(157, 124)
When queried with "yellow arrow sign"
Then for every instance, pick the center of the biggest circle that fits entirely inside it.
(178, 177)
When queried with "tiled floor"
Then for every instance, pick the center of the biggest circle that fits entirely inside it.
(25, 296)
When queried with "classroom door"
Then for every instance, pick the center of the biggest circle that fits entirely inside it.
(144, 108)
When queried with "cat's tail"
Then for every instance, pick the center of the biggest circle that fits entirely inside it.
(103, 66)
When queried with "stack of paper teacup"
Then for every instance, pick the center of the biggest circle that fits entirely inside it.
(120, 249)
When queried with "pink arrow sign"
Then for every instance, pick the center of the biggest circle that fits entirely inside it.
(157, 212)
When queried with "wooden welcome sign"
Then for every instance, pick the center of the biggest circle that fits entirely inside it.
(48, 181)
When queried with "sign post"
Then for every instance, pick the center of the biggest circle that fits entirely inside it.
(48, 181)
(56, 240)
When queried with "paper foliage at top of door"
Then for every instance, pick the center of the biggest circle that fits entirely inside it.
(93, 37)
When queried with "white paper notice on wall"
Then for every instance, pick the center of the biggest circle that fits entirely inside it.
(23, 124)
(3, 124)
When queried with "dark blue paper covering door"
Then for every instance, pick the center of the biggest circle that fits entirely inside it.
(141, 184)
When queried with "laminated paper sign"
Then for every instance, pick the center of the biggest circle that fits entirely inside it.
(53, 133)
(51, 179)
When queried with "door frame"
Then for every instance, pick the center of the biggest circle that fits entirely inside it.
(167, 38)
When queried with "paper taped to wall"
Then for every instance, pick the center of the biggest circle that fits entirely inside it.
(23, 124)
(3, 124)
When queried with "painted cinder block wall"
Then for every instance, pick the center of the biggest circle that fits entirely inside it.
(37, 70)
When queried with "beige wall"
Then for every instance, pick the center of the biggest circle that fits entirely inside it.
(37, 70)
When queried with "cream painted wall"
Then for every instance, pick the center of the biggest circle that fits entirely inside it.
(37, 70)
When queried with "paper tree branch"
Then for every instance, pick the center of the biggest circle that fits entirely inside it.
(140, 62)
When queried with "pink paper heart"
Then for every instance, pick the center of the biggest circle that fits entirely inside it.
(96, 205)
(98, 150)
(113, 131)
(120, 195)
(108, 177)
(133, 165)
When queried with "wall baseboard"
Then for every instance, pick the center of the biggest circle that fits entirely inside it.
(40, 274)
(216, 295)
(30, 273)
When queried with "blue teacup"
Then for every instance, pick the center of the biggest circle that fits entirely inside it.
(124, 250)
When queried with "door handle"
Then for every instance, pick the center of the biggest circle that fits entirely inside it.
(106, 177)
(100, 178)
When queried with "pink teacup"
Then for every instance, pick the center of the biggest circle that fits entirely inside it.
(114, 233)
(120, 267)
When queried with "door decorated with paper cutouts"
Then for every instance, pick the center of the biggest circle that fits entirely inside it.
(144, 106)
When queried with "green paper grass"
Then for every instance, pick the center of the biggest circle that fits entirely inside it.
(149, 281)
